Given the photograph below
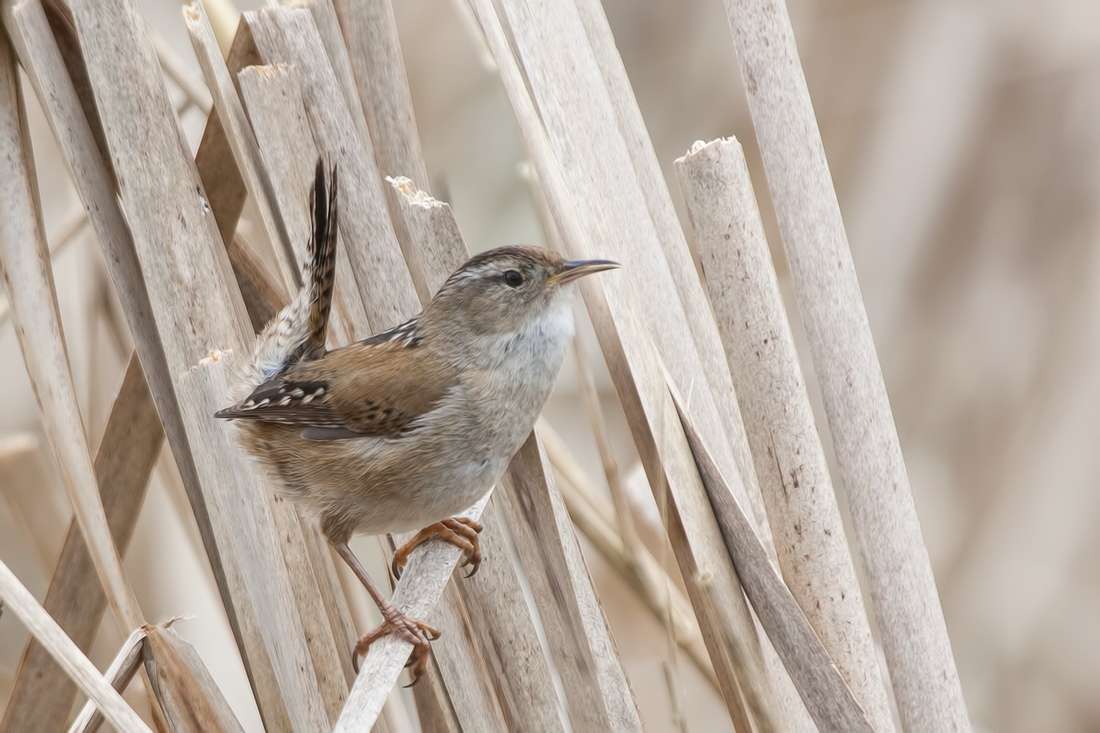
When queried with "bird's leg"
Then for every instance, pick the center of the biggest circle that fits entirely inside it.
(412, 630)
(459, 531)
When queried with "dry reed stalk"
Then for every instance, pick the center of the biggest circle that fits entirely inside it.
(73, 226)
(224, 183)
(189, 695)
(595, 517)
(636, 370)
(373, 49)
(884, 519)
(177, 70)
(44, 64)
(25, 266)
(827, 696)
(120, 673)
(274, 101)
(242, 142)
(597, 693)
(464, 697)
(40, 517)
(421, 585)
(432, 233)
(586, 385)
(178, 248)
(506, 629)
(290, 37)
(790, 461)
(646, 194)
(132, 439)
(19, 601)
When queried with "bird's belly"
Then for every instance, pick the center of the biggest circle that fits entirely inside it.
(384, 486)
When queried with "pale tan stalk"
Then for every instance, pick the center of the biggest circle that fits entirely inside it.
(598, 695)
(177, 70)
(595, 517)
(184, 686)
(179, 249)
(25, 266)
(370, 36)
(242, 141)
(273, 97)
(884, 518)
(419, 590)
(42, 694)
(635, 367)
(122, 670)
(790, 461)
(827, 697)
(289, 36)
(20, 602)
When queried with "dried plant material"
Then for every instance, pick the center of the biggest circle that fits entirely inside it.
(374, 53)
(176, 241)
(823, 690)
(884, 518)
(20, 602)
(27, 274)
(42, 694)
(427, 573)
(432, 233)
(191, 700)
(122, 670)
(595, 517)
(273, 97)
(790, 461)
(290, 37)
(636, 369)
(242, 142)
(597, 693)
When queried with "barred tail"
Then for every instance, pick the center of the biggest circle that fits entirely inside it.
(320, 266)
(299, 330)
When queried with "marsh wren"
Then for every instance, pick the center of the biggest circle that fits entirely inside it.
(407, 428)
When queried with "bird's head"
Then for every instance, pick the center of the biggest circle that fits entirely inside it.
(502, 290)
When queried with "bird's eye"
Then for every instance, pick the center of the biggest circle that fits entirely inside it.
(513, 278)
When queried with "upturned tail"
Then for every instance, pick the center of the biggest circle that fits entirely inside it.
(300, 329)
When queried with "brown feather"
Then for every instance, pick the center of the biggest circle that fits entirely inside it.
(370, 388)
(321, 260)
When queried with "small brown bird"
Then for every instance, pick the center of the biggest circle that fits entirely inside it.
(411, 426)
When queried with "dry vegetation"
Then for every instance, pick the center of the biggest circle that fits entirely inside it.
(675, 547)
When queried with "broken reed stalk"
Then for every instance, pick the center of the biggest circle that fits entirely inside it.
(725, 620)
(872, 468)
(790, 461)
(20, 601)
(119, 674)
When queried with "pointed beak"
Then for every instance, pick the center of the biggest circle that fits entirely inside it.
(576, 269)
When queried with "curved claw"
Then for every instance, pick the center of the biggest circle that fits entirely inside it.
(414, 631)
(460, 532)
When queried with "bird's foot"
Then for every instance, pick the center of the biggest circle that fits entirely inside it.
(459, 531)
(412, 630)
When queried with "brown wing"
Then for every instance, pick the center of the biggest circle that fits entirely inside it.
(371, 388)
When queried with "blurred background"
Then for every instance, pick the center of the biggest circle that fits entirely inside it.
(964, 141)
